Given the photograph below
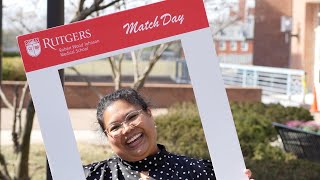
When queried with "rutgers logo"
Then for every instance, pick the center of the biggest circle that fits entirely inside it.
(33, 47)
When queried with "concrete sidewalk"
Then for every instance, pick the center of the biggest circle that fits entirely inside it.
(83, 121)
(82, 136)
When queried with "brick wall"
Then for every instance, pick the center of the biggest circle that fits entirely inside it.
(159, 95)
(304, 14)
(79, 95)
(270, 47)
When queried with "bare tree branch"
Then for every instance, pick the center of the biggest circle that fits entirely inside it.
(124, 4)
(226, 24)
(87, 80)
(81, 15)
(108, 5)
(135, 66)
(22, 161)
(22, 99)
(81, 3)
(116, 70)
(14, 134)
(119, 75)
(22, 24)
(75, 6)
(5, 100)
(96, 6)
(155, 57)
(4, 173)
(113, 68)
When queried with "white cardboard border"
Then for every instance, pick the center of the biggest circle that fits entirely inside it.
(215, 113)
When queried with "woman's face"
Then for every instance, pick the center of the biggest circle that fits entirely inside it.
(134, 143)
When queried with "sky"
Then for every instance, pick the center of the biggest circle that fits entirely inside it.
(26, 9)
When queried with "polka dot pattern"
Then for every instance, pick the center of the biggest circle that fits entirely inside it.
(163, 166)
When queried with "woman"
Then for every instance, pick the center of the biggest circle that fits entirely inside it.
(126, 120)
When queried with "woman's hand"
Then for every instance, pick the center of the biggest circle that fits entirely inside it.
(248, 173)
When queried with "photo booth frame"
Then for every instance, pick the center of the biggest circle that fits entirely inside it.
(45, 52)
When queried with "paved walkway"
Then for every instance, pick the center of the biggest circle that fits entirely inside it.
(83, 121)
(316, 116)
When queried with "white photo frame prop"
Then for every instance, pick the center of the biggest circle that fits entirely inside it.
(45, 52)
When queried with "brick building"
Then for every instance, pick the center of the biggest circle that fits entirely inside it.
(233, 32)
(291, 48)
(271, 48)
(303, 49)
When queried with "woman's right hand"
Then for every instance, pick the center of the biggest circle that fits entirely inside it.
(248, 173)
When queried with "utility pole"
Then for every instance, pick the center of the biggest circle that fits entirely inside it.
(0, 63)
(55, 17)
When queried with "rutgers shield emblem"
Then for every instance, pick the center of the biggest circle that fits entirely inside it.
(33, 47)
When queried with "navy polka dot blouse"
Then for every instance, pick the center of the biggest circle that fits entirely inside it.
(161, 166)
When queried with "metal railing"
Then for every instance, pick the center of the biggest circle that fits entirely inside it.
(277, 84)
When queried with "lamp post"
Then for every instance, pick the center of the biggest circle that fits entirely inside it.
(0, 61)
(55, 17)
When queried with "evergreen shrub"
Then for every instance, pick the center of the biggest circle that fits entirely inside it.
(181, 131)
(12, 69)
(11, 54)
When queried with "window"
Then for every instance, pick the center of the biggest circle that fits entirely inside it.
(244, 46)
(233, 46)
(222, 45)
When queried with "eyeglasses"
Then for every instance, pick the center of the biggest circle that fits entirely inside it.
(131, 120)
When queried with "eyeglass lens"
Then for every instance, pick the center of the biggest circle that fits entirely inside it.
(131, 120)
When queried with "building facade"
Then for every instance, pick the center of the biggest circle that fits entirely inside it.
(293, 46)
(305, 16)
(233, 32)
(271, 44)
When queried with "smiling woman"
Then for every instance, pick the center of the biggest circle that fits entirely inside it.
(126, 120)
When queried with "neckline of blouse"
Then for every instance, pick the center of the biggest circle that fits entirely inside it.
(149, 163)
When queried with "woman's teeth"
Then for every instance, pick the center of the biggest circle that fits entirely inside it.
(135, 137)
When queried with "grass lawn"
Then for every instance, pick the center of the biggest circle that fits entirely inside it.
(102, 67)
(37, 160)
(13, 68)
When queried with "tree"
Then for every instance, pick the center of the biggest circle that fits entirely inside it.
(115, 62)
(139, 78)
(21, 132)
(226, 14)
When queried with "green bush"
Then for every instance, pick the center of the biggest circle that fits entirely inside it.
(265, 152)
(253, 122)
(181, 131)
(11, 54)
(12, 69)
(252, 128)
(284, 170)
(274, 112)
(281, 114)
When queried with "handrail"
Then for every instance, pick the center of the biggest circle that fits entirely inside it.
(263, 69)
(277, 84)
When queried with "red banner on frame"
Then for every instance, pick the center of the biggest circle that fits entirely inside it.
(112, 32)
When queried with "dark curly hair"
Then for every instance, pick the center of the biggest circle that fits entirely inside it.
(126, 94)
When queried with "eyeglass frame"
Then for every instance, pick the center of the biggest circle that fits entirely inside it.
(125, 121)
